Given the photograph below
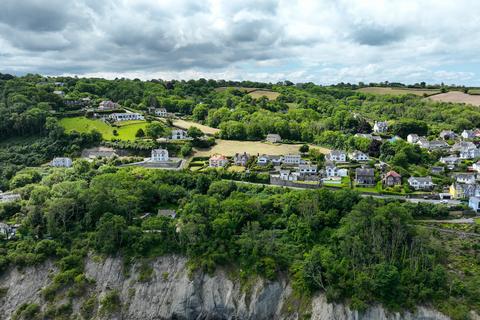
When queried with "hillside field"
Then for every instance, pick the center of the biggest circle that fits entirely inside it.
(457, 97)
(230, 147)
(398, 91)
(126, 130)
(254, 92)
(184, 124)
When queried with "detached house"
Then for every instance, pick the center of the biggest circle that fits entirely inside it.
(447, 135)
(307, 169)
(161, 112)
(217, 161)
(241, 159)
(358, 156)
(462, 145)
(159, 155)
(331, 171)
(469, 153)
(421, 183)
(365, 176)
(61, 162)
(117, 117)
(108, 105)
(468, 134)
(9, 197)
(273, 138)
(264, 159)
(451, 161)
(465, 178)
(413, 138)
(391, 179)
(336, 156)
(380, 127)
(179, 134)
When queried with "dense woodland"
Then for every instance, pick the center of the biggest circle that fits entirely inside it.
(354, 249)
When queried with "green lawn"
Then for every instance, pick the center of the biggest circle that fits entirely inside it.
(126, 130)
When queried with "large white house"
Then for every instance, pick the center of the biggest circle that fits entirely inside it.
(161, 112)
(413, 138)
(380, 127)
(292, 159)
(421, 183)
(126, 116)
(9, 197)
(159, 155)
(61, 162)
(332, 171)
(336, 156)
(307, 169)
(265, 159)
(179, 134)
(358, 156)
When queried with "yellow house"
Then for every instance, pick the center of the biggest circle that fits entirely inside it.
(453, 191)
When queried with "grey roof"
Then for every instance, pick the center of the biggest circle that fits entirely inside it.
(365, 172)
(421, 179)
(337, 152)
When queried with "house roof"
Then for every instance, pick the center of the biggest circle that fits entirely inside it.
(218, 157)
(421, 179)
(337, 152)
(392, 174)
(365, 172)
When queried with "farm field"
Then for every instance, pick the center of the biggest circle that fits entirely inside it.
(254, 92)
(230, 147)
(457, 97)
(183, 124)
(126, 130)
(398, 91)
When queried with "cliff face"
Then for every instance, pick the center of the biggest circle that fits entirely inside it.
(170, 293)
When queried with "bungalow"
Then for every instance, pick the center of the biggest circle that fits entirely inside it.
(217, 160)
(9, 197)
(358, 156)
(380, 127)
(447, 135)
(241, 159)
(61, 162)
(273, 138)
(421, 183)
(413, 138)
(365, 176)
(159, 155)
(464, 190)
(450, 160)
(336, 156)
(332, 171)
(307, 169)
(179, 134)
(391, 179)
(437, 170)
(468, 134)
(292, 159)
(265, 159)
(437, 144)
(474, 203)
(287, 175)
(125, 116)
(469, 153)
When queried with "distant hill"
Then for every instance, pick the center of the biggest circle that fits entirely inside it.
(399, 91)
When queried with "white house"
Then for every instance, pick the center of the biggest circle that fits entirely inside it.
(332, 171)
(358, 156)
(307, 169)
(241, 159)
(126, 116)
(265, 159)
(273, 138)
(159, 155)
(161, 112)
(380, 127)
(465, 177)
(469, 153)
(476, 166)
(450, 160)
(413, 138)
(59, 92)
(179, 134)
(287, 175)
(462, 145)
(474, 203)
(423, 142)
(61, 162)
(421, 183)
(217, 161)
(468, 134)
(336, 156)
(292, 159)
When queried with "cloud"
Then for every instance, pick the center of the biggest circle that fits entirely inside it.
(324, 41)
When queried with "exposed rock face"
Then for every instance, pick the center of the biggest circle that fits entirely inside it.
(172, 294)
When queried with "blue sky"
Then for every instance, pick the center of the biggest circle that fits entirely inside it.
(323, 41)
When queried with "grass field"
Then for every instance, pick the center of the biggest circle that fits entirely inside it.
(183, 124)
(474, 91)
(230, 147)
(457, 97)
(126, 130)
(398, 91)
(254, 92)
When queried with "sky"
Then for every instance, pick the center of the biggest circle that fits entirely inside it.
(322, 41)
